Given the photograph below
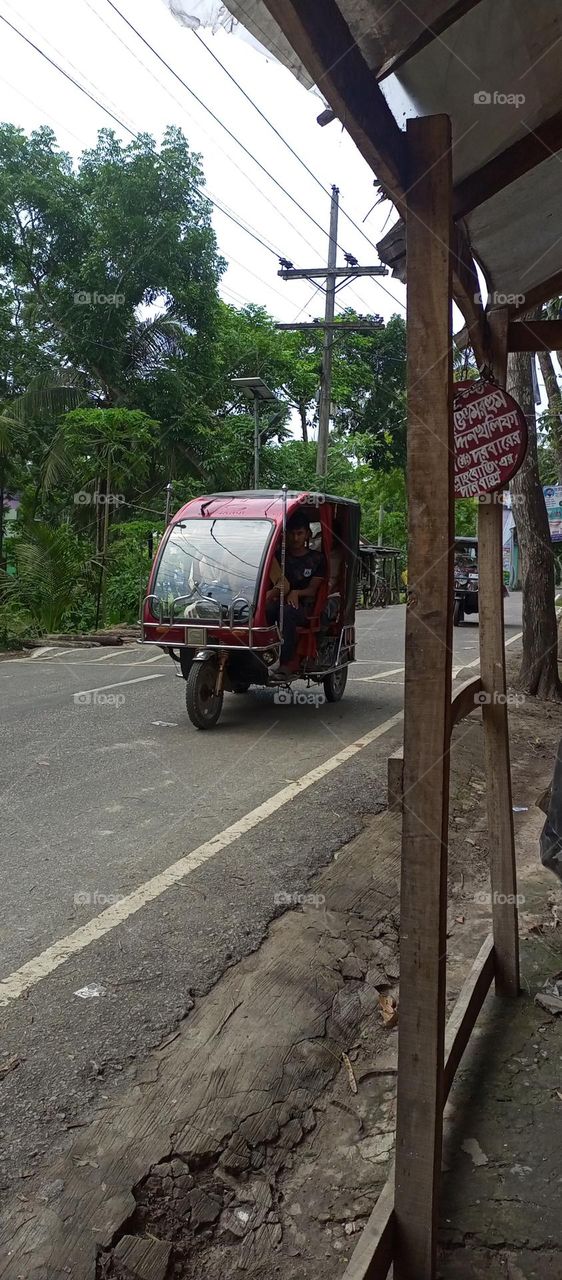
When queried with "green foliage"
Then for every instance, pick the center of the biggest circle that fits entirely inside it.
(54, 573)
(129, 568)
(117, 361)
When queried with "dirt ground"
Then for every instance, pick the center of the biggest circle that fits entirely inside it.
(287, 1193)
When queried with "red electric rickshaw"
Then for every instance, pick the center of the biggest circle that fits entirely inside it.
(206, 602)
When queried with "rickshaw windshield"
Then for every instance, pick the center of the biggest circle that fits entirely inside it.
(207, 565)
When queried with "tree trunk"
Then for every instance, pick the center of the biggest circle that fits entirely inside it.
(539, 667)
(554, 405)
(304, 423)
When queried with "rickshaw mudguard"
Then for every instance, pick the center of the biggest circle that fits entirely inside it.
(203, 655)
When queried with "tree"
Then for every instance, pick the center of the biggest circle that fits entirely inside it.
(105, 451)
(539, 666)
(112, 268)
(368, 384)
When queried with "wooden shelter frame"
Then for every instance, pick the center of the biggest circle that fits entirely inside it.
(414, 168)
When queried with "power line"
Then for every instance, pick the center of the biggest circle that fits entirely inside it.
(182, 107)
(236, 139)
(132, 133)
(282, 139)
(217, 118)
(64, 57)
(67, 75)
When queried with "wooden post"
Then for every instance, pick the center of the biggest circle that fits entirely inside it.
(427, 699)
(494, 712)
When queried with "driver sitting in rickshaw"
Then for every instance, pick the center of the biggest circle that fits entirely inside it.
(304, 572)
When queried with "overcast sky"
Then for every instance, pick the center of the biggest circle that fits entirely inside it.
(94, 45)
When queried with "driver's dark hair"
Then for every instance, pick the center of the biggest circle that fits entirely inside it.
(298, 521)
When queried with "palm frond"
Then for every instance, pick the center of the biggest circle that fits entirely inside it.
(156, 340)
(50, 393)
(10, 428)
(57, 466)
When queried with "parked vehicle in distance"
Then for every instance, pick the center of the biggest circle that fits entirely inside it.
(466, 579)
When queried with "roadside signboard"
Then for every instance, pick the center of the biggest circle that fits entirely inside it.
(490, 433)
(553, 500)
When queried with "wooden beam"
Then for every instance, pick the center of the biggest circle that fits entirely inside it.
(466, 286)
(537, 145)
(464, 701)
(323, 41)
(433, 19)
(534, 335)
(550, 288)
(320, 36)
(423, 911)
(372, 1255)
(467, 1008)
(395, 780)
(466, 292)
(494, 713)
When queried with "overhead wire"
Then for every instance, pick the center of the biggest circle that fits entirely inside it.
(236, 139)
(281, 137)
(174, 98)
(218, 120)
(76, 83)
(220, 208)
(205, 195)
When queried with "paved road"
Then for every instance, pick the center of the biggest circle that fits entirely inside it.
(121, 869)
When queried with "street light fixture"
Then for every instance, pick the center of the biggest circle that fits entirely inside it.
(258, 391)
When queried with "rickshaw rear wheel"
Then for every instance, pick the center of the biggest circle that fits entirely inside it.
(334, 684)
(203, 704)
(458, 614)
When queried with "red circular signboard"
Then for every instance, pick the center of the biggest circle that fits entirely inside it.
(490, 434)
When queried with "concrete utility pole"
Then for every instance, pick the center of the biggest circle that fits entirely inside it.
(325, 402)
(331, 274)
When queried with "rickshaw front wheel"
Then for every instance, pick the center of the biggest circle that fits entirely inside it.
(334, 684)
(203, 703)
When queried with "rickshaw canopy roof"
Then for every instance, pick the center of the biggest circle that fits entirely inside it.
(257, 504)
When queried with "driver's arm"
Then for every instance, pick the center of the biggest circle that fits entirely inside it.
(308, 592)
(280, 586)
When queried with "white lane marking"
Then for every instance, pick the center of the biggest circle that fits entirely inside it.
(466, 666)
(106, 657)
(118, 685)
(44, 964)
(143, 661)
(381, 675)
